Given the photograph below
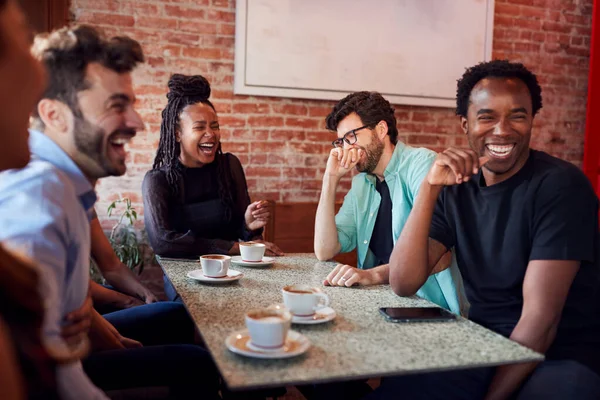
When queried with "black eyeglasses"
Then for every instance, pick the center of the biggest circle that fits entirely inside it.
(349, 137)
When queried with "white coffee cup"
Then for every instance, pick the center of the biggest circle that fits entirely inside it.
(268, 327)
(304, 300)
(215, 265)
(252, 251)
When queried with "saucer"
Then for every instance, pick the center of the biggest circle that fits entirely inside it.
(295, 344)
(266, 261)
(322, 315)
(199, 276)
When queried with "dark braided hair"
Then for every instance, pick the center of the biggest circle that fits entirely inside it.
(185, 90)
(496, 69)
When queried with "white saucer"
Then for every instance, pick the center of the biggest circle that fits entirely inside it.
(198, 275)
(322, 315)
(265, 262)
(295, 344)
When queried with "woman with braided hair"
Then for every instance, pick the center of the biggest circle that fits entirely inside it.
(195, 197)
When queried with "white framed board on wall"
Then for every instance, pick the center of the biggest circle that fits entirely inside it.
(411, 51)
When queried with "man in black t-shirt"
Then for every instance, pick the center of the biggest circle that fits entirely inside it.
(524, 226)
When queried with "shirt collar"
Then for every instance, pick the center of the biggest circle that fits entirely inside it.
(392, 166)
(44, 148)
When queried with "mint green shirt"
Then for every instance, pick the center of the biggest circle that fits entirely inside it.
(356, 219)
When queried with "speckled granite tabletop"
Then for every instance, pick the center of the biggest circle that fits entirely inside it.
(358, 343)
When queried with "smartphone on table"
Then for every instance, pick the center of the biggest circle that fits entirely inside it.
(416, 314)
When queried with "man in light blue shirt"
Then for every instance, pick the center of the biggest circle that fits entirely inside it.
(380, 199)
(83, 120)
(44, 212)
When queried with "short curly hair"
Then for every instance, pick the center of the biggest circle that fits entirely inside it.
(68, 51)
(496, 69)
(371, 107)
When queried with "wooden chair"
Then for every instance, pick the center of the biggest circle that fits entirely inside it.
(292, 228)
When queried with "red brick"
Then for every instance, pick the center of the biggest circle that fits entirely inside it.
(156, 23)
(221, 16)
(302, 122)
(106, 19)
(533, 12)
(312, 161)
(133, 7)
(221, 3)
(201, 27)
(507, 9)
(229, 121)
(263, 171)
(578, 19)
(290, 109)
(288, 159)
(100, 5)
(180, 38)
(319, 111)
(530, 47)
(258, 159)
(287, 135)
(421, 117)
(265, 121)
(184, 12)
(226, 29)
(556, 27)
(222, 107)
(321, 136)
(251, 108)
(295, 172)
(268, 147)
(235, 147)
(249, 134)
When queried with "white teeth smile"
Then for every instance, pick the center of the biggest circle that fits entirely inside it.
(500, 150)
(120, 141)
(206, 147)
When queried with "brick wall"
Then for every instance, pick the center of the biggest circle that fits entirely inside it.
(282, 142)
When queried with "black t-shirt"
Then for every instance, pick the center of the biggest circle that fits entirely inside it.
(195, 221)
(546, 211)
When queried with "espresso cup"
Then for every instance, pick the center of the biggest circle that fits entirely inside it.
(215, 265)
(304, 300)
(268, 327)
(252, 251)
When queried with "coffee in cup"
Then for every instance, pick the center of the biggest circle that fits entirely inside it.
(215, 265)
(268, 327)
(304, 300)
(252, 251)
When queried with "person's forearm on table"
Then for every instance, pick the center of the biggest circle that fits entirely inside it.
(534, 333)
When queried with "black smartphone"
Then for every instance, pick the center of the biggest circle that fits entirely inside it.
(416, 314)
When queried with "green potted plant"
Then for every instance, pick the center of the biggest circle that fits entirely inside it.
(124, 238)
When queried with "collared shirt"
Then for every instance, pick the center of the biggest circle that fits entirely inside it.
(356, 218)
(44, 213)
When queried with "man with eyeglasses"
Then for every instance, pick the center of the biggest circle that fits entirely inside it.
(380, 199)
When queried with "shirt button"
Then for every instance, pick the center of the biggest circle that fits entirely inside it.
(365, 242)
(370, 215)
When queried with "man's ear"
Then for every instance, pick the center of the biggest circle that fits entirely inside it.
(55, 115)
(464, 125)
(178, 135)
(382, 129)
